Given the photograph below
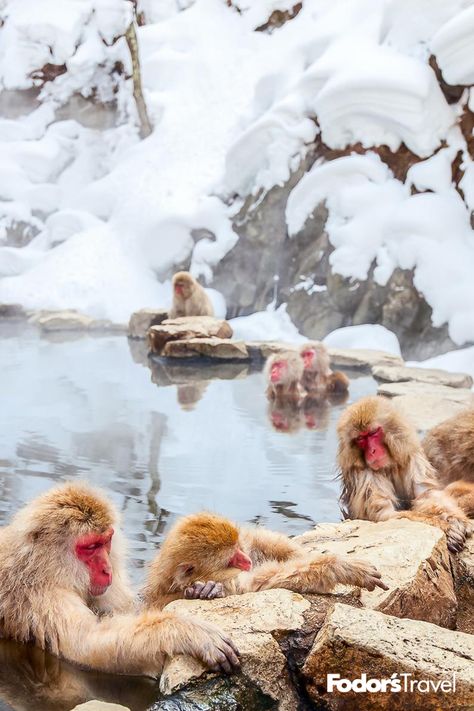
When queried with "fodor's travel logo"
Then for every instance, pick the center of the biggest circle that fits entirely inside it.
(397, 683)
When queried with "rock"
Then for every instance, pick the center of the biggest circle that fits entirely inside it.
(68, 320)
(261, 350)
(253, 621)
(353, 642)
(100, 706)
(142, 320)
(427, 405)
(223, 693)
(464, 582)
(13, 312)
(222, 348)
(185, 328)
(412, 557)
(398, 374)
(362, 358)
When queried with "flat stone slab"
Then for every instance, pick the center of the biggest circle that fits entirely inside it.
(353, 642)
(397, 374)
(219, 348)
(178, 372)
(412, 557)
(252, 620)
(362, 358)
(185, 329)
(261, 350)
(141, 321)
(71, 320)
(427, 405)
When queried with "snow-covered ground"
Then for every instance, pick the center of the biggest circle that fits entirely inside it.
(233, 112)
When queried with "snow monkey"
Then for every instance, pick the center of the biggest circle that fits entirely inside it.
(318, 378)
(63, 585)
(450, 448)
(206, 556)
(384, 471)
(189, 298)
(283, 373)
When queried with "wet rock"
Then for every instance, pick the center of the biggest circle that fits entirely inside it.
(168, 372)
(398, 374)
(412, 557)
(186, 328)
(142, 320)
(253, 621)
(100, 706)
(427, 405)
(233, 693)
(356, 641)
(221, 348)
(14, 312)
(362, 358)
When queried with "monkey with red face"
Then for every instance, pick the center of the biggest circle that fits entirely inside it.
(386, 474)
(189, 298)
(206, 556)
(63, 586)
(283, 373)
(318, 378)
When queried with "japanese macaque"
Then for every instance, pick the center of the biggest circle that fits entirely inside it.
(318, 378)
(283, 373)
(450, 448)
(207, 556)
(316, 413)
(384, 472)
(63, 586)
(189, 298)
(188, 395)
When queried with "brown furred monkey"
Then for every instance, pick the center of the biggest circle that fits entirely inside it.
(189, 297)
(450, 447)
(206, 556)
(318, 378)
(63, 586)
(283, 373)
(384, 471)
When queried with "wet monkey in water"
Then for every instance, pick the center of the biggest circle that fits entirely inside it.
(283, 373)
(386, 474)
(318, 378)
(189, 297)
(206, 556)
(63, 586)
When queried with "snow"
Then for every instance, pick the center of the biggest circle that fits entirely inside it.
(372, 336)
(269, 325)
(234, 112)
(452, 47)
(458, 361)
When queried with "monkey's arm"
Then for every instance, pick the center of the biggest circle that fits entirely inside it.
(318, 574)
(263, 545)
(134, 644)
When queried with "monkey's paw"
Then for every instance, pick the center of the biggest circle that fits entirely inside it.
(364, 575)
(215, 649)
(457, 530)
(204, 591)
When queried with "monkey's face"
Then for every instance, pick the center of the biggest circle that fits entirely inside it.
(309, 359)
(371, 444)
(278, 371)
(212, 563)
(183, 288)
(93, 550)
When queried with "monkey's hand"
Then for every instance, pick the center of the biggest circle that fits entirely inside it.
(217, 651)
(204, 591)
(456, 530)
(362, 574)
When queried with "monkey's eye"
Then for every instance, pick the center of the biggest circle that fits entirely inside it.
(92, 547)
(375, 432)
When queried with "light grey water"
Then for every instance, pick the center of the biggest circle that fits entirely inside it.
(82, 408)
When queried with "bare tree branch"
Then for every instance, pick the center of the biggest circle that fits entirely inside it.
(145, 124)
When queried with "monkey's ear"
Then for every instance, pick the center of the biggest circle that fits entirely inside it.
(183, 571)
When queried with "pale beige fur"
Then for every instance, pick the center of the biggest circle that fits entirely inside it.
(193, 301)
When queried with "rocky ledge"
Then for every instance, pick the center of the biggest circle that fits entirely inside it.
(290, 643)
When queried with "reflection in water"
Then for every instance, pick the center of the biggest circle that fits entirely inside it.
(84, 408)
(33, 679)
(312, 413)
